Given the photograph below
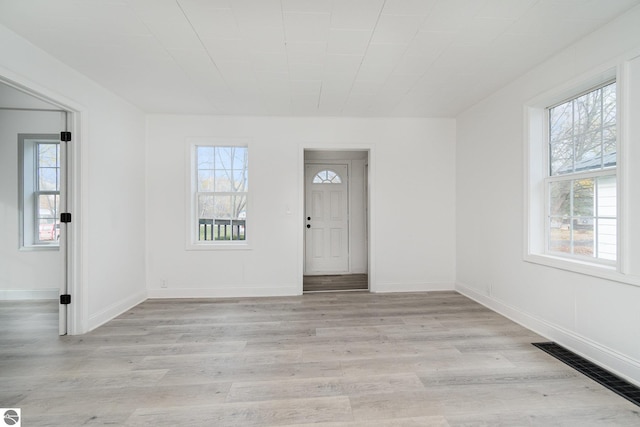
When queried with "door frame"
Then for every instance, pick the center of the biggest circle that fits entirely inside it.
(370, 213)
(73, 263)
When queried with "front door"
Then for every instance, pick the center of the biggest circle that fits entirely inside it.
(326, 219)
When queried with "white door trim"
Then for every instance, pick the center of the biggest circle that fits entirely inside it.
(371, 223)
(77, 311)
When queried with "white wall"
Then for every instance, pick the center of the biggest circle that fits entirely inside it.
(31, 274)
(412, 166)
(109, 165)
(596, 317)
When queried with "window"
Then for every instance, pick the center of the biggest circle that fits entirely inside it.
(39, 170)
(327, 177)
(581, 184)
(221, 193)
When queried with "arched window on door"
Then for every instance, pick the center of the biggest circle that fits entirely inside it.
(327, 177)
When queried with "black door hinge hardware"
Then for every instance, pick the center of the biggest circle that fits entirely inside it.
(65, 299)
(65, 136)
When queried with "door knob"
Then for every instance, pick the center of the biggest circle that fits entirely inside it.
(308, 218)
(308, 225)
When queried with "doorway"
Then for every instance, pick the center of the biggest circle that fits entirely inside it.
(336, 221)
(36, 172)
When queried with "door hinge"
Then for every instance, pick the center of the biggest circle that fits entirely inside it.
(65, 217)
(65, 136)
(65, 299)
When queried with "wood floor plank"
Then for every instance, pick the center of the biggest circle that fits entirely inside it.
(350, 359)
(270, 413)
(429, 421)
(323, 387)
(336, 282)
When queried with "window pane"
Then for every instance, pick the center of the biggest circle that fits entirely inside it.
(583, 197)
(239, 207)
(560, 235)
(48, 179)
(240, 157)
(222, 207)
(222, 230)
(607, 197)
(240, 180)
(583, 237)
(240, 216)
(205, 180)
(609, 146)
(560, 199)
(48, 206)
(320, 177)
(561, 122)
(607, 239)
(223, 183)
(239, 230)
(48, 155)
(609, 104)
(205, 157)
(205, 229)
(48, 221)
(48, 230)
(588, 109)
(588, 148)
(223, 157)
(205, 206)
(582, 132)
(561, 155)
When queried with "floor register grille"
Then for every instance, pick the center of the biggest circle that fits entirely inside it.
(593, 371)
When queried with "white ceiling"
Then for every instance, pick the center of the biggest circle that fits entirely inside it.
(426, 58)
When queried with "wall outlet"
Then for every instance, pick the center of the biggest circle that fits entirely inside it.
(163, 283)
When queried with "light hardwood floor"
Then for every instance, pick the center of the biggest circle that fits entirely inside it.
(335, 359)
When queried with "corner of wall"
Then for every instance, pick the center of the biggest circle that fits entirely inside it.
(114, 310)
(610, 359)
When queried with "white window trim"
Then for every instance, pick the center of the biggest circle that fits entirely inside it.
(28, 234)
(535, 163)
(192, 243)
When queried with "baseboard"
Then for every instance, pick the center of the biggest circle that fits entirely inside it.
(411, 287)
(114, 310)
(227, 292)
(29, 294)
(603, 356)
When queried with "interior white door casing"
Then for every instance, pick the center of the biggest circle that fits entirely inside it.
(31, 101)
(326, 219)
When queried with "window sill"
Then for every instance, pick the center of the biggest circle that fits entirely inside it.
(583, 267)
(38, 248)
(219, 246)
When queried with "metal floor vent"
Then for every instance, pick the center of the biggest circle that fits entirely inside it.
(593, 371)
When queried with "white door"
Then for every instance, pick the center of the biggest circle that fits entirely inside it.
(326, 219)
